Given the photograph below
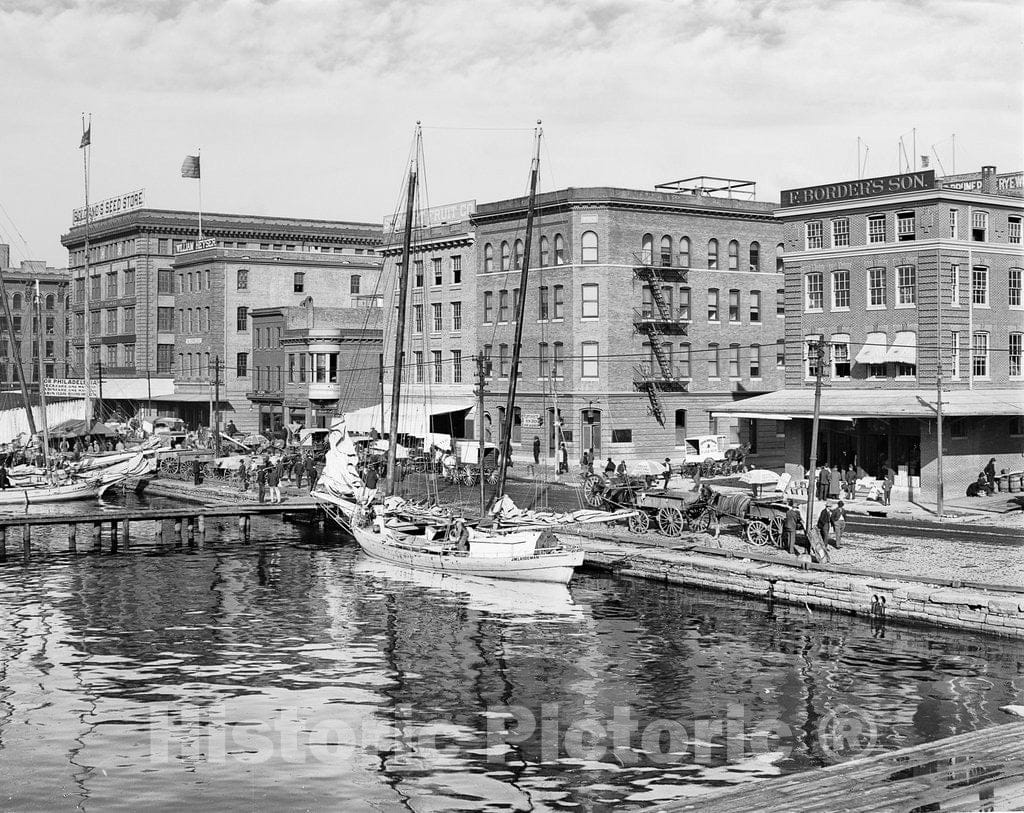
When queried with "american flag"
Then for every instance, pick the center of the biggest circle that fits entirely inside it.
(190, 167)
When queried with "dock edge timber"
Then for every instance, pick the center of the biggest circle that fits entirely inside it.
(994, 610)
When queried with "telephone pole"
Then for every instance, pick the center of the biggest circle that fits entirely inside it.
(216, 405)
(818, 349)
(481, 375)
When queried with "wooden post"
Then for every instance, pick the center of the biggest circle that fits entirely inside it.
(113, 536)
(124, 534)
(26, 538)
(97, 536)
(177, 530)
(242, 528)
(201, 521)
(159, 531)
(191, 530)
(3, 542)
(72, 537)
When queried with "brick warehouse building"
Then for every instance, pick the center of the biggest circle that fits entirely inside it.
(905, 278)
(133, 291)
(645, 311)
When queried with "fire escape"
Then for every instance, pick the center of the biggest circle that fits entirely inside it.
(656, 322)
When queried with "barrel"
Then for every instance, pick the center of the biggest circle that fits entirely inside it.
(1015, 482)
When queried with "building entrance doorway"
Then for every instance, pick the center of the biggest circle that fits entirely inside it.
(590, 431)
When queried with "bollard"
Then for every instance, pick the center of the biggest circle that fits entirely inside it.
(72, 537)
(26, 538)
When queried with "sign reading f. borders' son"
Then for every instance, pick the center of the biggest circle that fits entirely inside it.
(865, 188)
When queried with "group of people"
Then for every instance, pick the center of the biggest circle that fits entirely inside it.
(269, 476)
(830, 525)
(833, 483)
(986, 483)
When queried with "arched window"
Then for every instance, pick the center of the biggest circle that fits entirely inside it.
(559, 250)
(712, 253)
(16, 302)
(684, 252)
(181, 365)
(780, 249)
(488, 258)
(734, 255)
(50, 302)
(518, 257)
(505, 256)
(666, 250)
(755, 256)
(647, 249)
(588, 246)
(545, 251)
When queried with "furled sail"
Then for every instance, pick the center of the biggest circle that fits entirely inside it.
(340, 477)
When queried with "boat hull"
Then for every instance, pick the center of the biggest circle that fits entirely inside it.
(556, 567)
(49, 494)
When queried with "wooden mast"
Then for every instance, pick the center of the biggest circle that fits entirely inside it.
(505, 450)
(403, 296)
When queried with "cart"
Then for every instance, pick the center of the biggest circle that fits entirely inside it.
(761, 521)
(673, 512)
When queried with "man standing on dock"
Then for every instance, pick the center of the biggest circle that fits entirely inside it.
(261, 481)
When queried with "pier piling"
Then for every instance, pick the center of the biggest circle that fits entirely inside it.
(159, 531)
(26, 539)
(72, 537)
(3, 543)
(113, 536)
(97, 536)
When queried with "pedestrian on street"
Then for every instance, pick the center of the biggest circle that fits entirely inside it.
(824, 477)
(990, 475)
(261, 482)
(274, 482)
(536, 450)
(792, 521)
(298, 470)
(197, 471)
(243, 473)
(838, 522)
(311, 473)
(887, 484)
(667, 473)
(563, 465)
(835, 483)
(851, 482)
(824, 523)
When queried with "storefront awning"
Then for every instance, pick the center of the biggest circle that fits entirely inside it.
(873, 351)
(413, 419)
(904, 348)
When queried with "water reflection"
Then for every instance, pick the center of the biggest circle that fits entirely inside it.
(307, 675)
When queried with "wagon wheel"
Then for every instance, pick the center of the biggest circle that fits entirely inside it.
(776, 525)
(492, 476)
(169, 465)
(592, 491)
(640, 522)
(701, 521)
(759, 532)
(671, 521)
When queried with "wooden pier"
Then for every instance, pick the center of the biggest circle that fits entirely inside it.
(980, 770)
(118, 526)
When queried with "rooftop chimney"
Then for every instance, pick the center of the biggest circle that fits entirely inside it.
(988, 180)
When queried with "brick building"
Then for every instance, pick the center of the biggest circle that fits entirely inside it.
(645, 310)
(133, 284)
(20, 286)
(310, 363)
(216, 289)
(906, 278)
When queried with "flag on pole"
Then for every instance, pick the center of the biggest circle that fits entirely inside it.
(86, 137)
(925, 161)
(190, 167)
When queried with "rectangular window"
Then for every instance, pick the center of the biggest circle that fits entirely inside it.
(954, 284)
(291, 368)
(1015, 353)
(417, 274)
(515, 304)
(755, 306)
(813, 233)
(488, 307)
(780, 302)
(417, 318)
(456, 317)
(298, 282)
(438, 318)
(841, 290)
(456, 269)
(589, 295)
(979, 355)
(165, 358)
(111, 360)
(242, 279)
(588, 367)
(954, 352)
(556, 360)
(906, 285)
(542, 302)
(876, 287)
(502, 306)
(456, 366)
(502, 361)
(840, 357)
(979, 286)
(559, 304)
(129, 355)
(876, 228)
(979, 227)
(712, 360)
(112, 285)
(734, 305)
(165, 320)
(684, 361)
(814, 291)
(811, 355)
(417, 358)
(712, 304)
(684, 304)
(780, 353)
(755, 361)
(1013, 230)
(438, 366)
(622, 436)
(165, 281)
(543, 362)
(952, 224)
(435, 264)
(734, 361)
(905, 226)
(112, 320)
(1013, 294)
(841, 232)
(242, 319)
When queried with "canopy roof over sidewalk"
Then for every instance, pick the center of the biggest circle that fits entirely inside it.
(849, 404)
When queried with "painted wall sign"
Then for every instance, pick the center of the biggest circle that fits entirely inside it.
(972, 182)
(67, 387)
(434, 216)
(194, 245)
(128, 202)
(854, 190)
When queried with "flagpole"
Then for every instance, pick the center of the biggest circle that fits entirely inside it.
(86, 357)
(199, 156)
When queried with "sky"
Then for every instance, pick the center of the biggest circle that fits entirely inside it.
(307, 109)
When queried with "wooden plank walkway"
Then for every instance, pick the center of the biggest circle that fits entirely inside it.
(980, 770)
(142, 514)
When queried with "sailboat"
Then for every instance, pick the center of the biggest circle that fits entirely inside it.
(515, 546)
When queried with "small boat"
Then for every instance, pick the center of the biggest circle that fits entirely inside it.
(64, 492)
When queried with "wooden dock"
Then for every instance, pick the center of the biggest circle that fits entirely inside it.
(118, 525)
(980, 770)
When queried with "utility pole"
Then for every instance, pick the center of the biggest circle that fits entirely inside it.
(481, 375)
(818, 349)
(939, 489)
(99, 369)
(216, 405)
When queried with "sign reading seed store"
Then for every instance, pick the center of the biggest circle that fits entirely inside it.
(128, 202)
(864, 188)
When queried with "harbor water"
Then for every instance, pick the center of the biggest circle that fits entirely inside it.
(292, 672)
